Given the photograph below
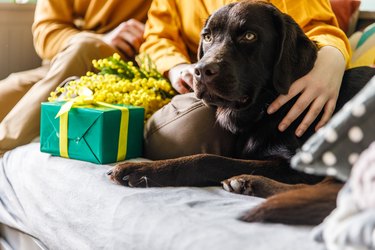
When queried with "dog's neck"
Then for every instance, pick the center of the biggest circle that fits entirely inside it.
(237, 121)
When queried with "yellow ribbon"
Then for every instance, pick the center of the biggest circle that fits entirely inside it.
(123, 134)
(64, 135)
(85, 98)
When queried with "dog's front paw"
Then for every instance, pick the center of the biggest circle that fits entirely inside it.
(252, 185)
(132, 174)
(238, 185)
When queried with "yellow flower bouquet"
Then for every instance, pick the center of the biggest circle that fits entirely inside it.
(100, 117)
(120, 82)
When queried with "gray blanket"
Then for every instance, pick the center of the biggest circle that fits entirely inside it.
(69, 204)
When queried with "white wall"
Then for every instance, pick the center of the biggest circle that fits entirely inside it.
(16, 47)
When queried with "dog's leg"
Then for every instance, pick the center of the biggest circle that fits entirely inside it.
(305, 206)
(199, 170)
(259, 186)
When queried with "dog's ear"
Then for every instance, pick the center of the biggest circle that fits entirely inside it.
(296, 54)
(200, 50)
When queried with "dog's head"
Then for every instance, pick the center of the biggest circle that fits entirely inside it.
(248, 49)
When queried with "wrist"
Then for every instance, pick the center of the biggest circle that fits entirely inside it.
(334, 55)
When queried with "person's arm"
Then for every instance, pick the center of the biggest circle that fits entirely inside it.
(53, 26)
(164, 43)
(320, 87)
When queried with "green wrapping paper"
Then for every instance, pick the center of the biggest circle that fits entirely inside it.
(93, 132)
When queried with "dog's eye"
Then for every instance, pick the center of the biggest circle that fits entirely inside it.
(249, 36)
(207, 38)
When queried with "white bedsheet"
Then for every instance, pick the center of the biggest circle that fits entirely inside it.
(69, 204)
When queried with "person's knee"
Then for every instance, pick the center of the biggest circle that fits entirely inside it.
(184, 127)
(14, 77)
(76, 58)
(88, 48)
(17, 81)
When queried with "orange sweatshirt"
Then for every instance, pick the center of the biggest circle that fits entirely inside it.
(56, 21)
(173, 27)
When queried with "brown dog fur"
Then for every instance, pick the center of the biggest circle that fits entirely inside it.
(239, 78)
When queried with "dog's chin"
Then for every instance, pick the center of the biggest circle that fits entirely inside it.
(227, 104)
(210, 97)
(220, 102)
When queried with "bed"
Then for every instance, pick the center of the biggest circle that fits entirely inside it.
(69, 204)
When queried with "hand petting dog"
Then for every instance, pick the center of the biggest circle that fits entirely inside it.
(318, 90)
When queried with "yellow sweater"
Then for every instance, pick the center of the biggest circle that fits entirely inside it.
(173, 27)
(56, 21)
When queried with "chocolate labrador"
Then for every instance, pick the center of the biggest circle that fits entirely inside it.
(250, 53)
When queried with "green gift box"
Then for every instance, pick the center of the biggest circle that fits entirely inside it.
(92, 132)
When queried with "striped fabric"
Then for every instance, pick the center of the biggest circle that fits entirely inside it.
(363, 46)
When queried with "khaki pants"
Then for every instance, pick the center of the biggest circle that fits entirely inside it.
(21, 93)
(184, 127)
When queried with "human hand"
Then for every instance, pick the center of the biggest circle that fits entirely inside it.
(127, 37)
(181, 78)
(319, 89)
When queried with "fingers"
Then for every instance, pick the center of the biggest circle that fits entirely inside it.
(317, 105)
(277, 103)
(301, 104)
(311, 94)
(124, 47)
(311, 115)
(295, 89)
(132, 40)
(132, 32)
(181, 87)
(187, 77)
(137, 25)
(127, 37)
(328, 112)
(181, 78)
(318, 90)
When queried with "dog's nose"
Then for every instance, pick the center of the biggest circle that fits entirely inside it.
(206, 71)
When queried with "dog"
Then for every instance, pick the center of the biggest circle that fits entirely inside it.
(250, 53)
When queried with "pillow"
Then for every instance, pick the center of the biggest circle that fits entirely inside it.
(363, 46)
(335, 148)
(346, 12)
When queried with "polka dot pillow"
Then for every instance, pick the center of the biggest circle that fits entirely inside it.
(335, 148)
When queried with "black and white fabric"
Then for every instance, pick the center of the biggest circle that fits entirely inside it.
(336, 147)
(352, 224)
